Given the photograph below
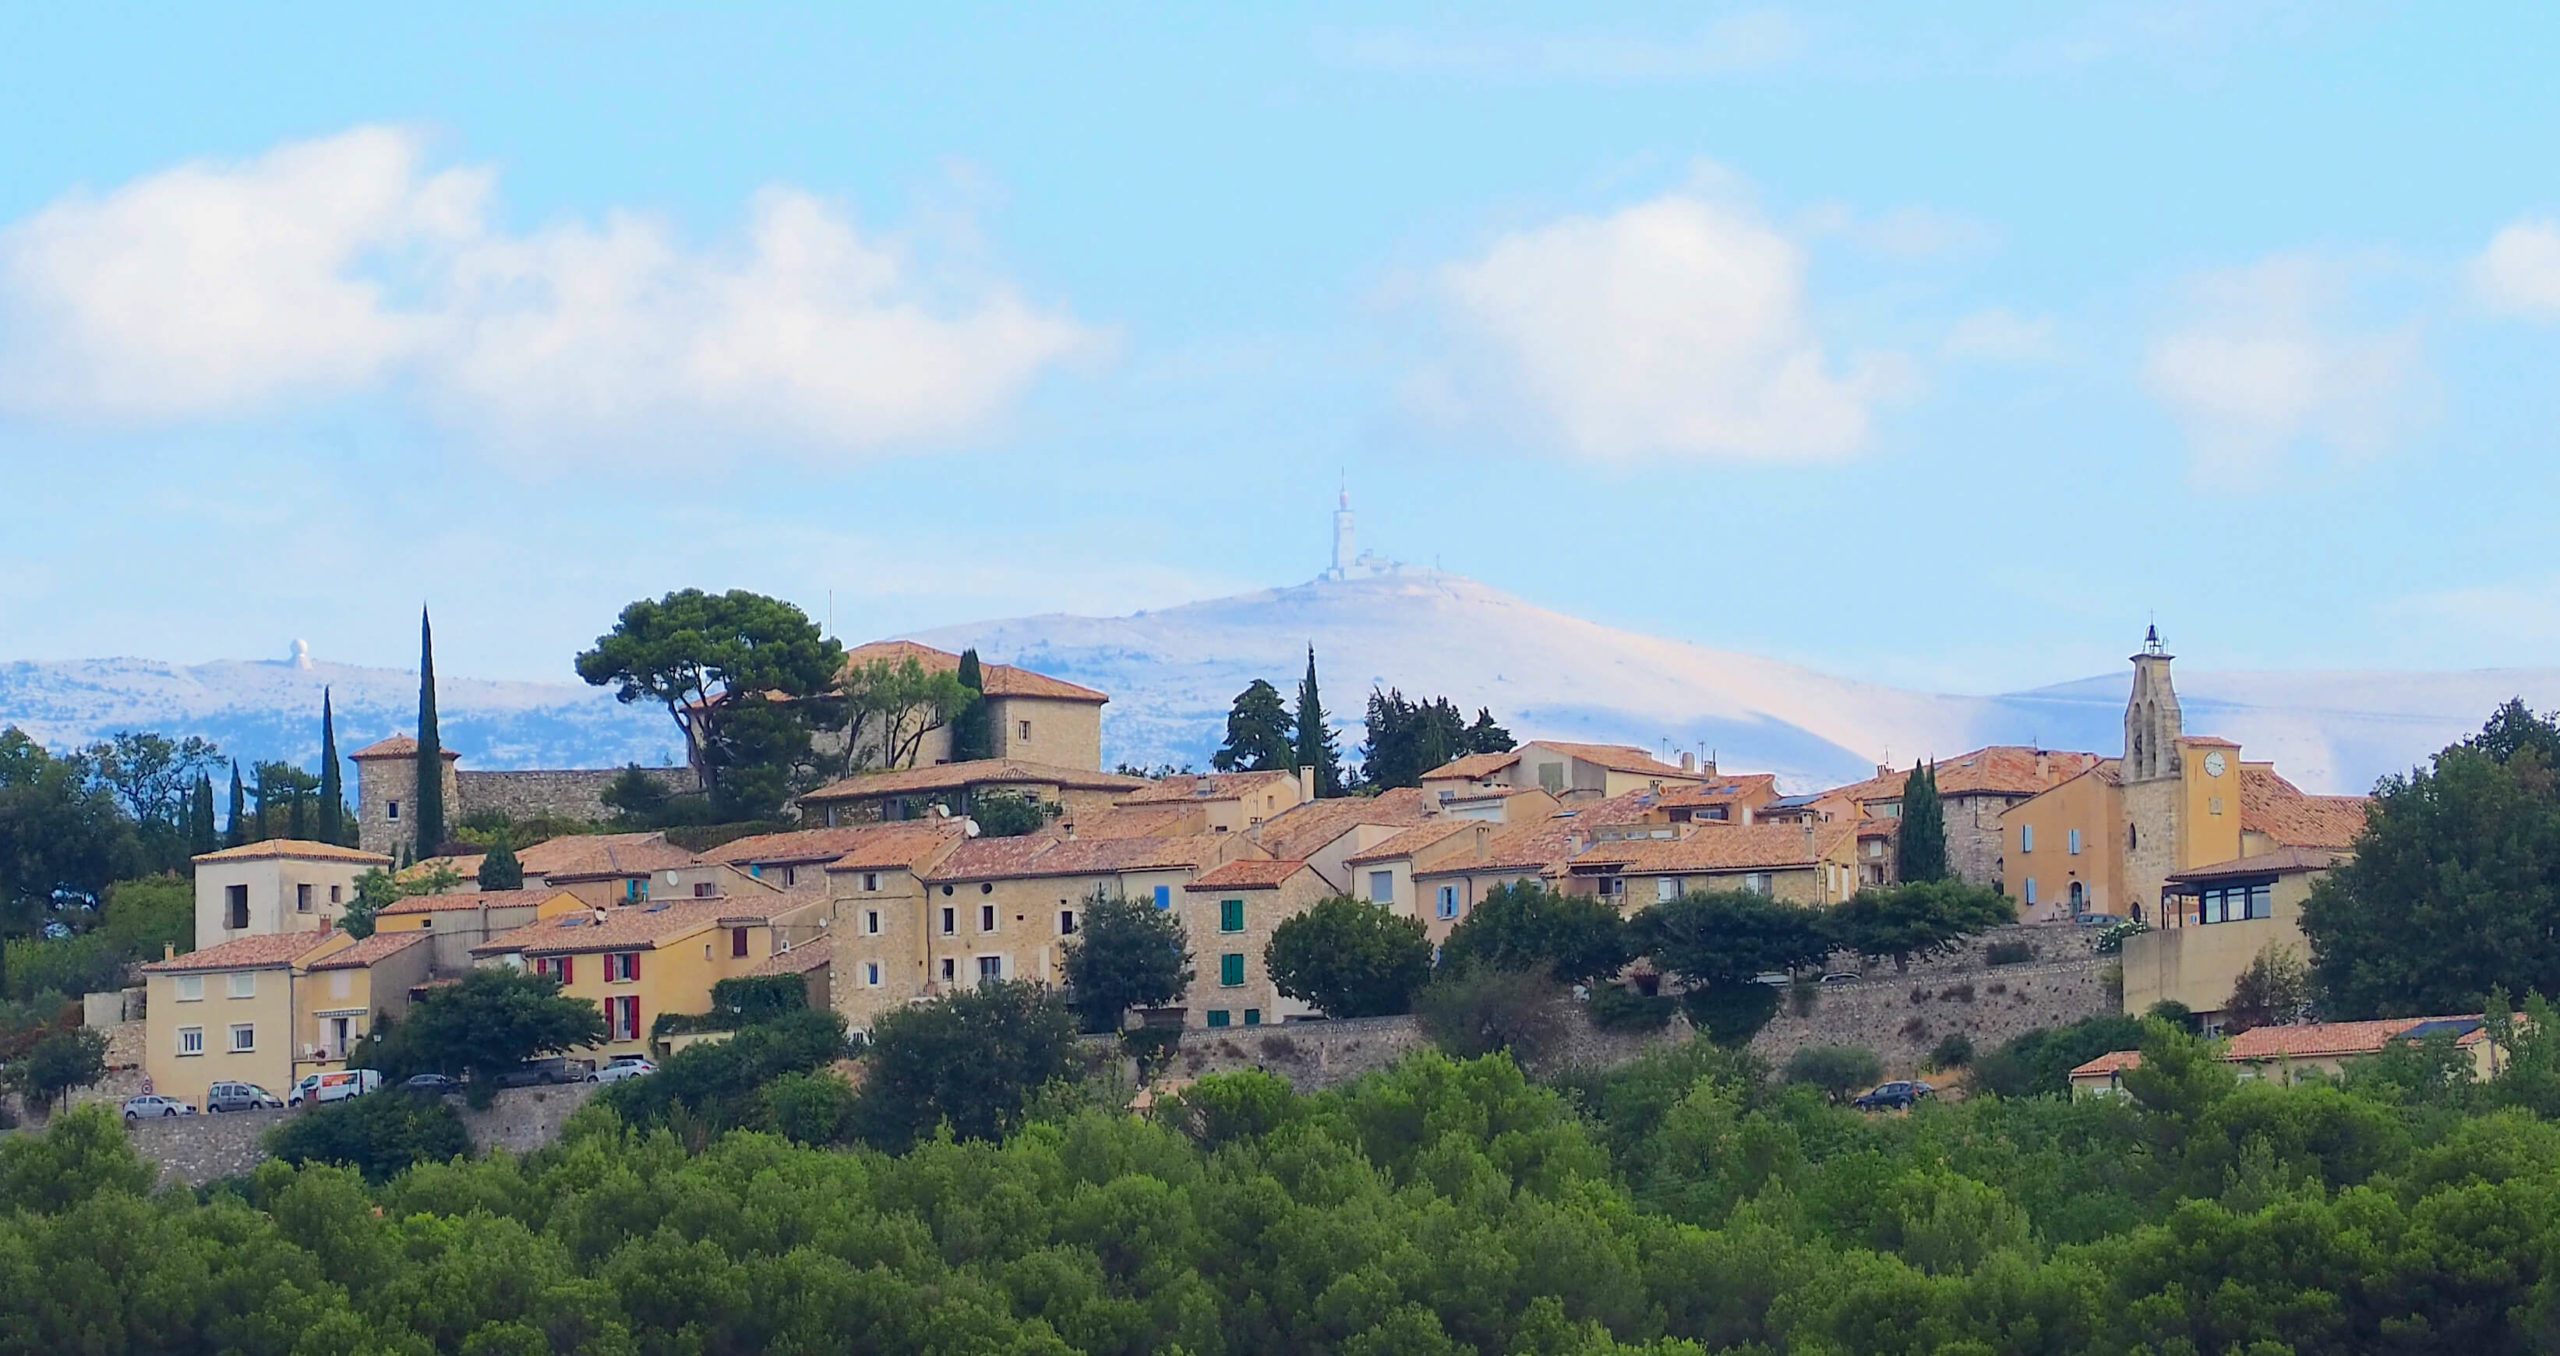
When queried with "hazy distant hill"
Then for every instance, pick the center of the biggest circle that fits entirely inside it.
(1171, 674)
(271, 709)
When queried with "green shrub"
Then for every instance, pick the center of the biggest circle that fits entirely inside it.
(1838, 1070)
(1480, 1010)
(1954, 1051)
(2012, 952)
(381, 1134)
(1615, 1007)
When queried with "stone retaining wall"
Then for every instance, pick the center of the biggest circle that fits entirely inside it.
(1901, 1017)
(572, 793)
(1314, 1056)
(194, 1150)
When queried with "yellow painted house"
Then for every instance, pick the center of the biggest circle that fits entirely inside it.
(269, 1009)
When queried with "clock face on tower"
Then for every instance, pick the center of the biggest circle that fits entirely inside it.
(2214, 764)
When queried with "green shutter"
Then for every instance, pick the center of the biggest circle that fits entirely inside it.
(1217, 1016)
(1231, 970)
(1231, 915)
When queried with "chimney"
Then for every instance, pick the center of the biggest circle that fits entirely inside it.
(1306, 784)
(1688, 761)
(2043, 771)
(168, 951)
(1884, 769)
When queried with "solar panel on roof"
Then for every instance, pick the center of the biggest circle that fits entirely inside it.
(2456, 1027)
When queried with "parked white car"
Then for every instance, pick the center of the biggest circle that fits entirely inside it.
(152, 1106)
(335, 1085)
(621, 1067)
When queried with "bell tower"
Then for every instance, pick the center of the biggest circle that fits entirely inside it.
(2152, 722)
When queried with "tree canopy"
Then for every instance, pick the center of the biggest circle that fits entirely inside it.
(494, 1020)
(1719, 943)
(1916, 918)
(1350, 958)
(1317, 747)
(972, 1061)
(1409, 738)
(973, 726)
(1259, 736)
(2451, 890)
(705, 657)
(1920, 846)
(1574, 939)
(1124, 955)
(885, 707)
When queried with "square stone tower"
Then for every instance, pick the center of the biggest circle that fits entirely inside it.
(387, 790)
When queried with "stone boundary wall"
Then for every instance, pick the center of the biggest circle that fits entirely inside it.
(1317, 1055)
(1901, 1017)
(572, 793)
(194, 1150)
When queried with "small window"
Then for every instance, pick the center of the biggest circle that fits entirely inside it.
(1759, 882)
(1448, 901)
(871, 974)
(237, 898)
(950, 921)
(737, 941)
(986, 918)
(1382, 887)
(871, 881)
(1066, 922)
(190, 988)
(1164, 896)
(244, 983)
(2132, 839)
(391, 810)
(2214, 806)
(950, 969)
(622, 967)
(337, 894)
(2026, 838)
(1218, 1016)
(702, 889)
(1665, 889)
(302, 897)
(871, 922)
(1253, 1016)
(2031, 889)
(191, 1040)
(1231, 915)
(990, 969)
(1022, 729)
(1231, 969)
(244, 1038)
(790, 875)
(2075, 842)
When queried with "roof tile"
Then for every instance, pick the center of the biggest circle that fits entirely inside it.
(1248, 874)
(296, 849)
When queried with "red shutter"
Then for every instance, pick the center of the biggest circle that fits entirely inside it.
(565, 970)
(631, 971)
(737, 941)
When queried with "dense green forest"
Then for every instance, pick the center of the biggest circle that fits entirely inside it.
(1683, 1203)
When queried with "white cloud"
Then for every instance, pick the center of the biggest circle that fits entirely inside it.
(1675, 328)
(2268, 363)
(1746, 41)
(2520, 271)
(344, 265)
(2000, 335)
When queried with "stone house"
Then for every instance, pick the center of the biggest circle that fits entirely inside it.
(1565, 771)
(880, 960)
(1808, 864)
(1387, 874)
(267, 1008)
(1004, 908)
(387, 791)
(1230, 802)
(920, 792)
(459, 921)
(1035, 718)
(1229, 914)
(282, 885)
(1974, 791)
(603, 869)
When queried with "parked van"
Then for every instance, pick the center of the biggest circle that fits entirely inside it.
(228, 1095)
(336, 1085)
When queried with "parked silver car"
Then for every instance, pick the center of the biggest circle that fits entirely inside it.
(153, 1106)
(229, 1096)
(621, 1067)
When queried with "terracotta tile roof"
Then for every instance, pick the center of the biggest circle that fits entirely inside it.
(397, 746)
(1299, 833)
(2113, 1061)
(585, 856)
(799, 960)
(296, 849)
(1460, 795)
(1542, 847)
(1248, 874)
(2206, 742)
(467, 866)
(900, 847)
(1143, 821)
(2284, 861)
(801, 846)
(1472, 766)
(997, 680)
(1879, 828)
(1725, 847)
(2325, 1039)
(378, 947)
(272, 951)
(474, 899)
(1416, 839)
(1205, 786)
(1617, 758)
(1627, 808)
(627, 927)
(1038, 855)
(1999, 770)
(2277, 808)
(1722, 791)
(964, 776)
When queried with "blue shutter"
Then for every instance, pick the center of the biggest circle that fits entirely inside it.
(1164, 896)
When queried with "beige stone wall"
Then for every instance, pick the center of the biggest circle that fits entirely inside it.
(1264, 911)
(1061, 733)
(2153, 810)
(576, 793)
(275, 897)
(881, 926)
(2095, 808)
(380, 782)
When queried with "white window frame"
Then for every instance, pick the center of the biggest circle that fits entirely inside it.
(1665, 889)
(1386, 879)
(871, 974)
(190, 988)
(870, 922)
(190, 1035)
(987, 972)
(242, 984)
(871, 882)
(1448, 901)
(244, 1038)
(987, 918)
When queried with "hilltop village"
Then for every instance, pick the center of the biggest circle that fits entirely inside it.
(926, 873)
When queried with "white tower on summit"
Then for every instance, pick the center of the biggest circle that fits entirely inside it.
(1346, 559)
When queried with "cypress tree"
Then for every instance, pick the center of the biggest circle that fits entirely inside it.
(202, 834)
(297, 823)
(333, 808)
(500, 870)
(429, 823)
(238, 829)
(1316, 747)
(973, 731)
(1920, 849)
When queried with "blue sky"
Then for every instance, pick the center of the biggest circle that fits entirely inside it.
(1943, 349)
